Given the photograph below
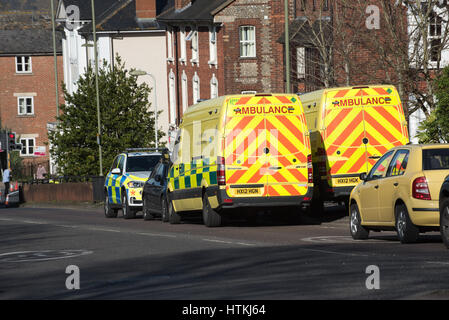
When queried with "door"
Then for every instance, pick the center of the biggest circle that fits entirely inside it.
(266, 147)
(369, 190)
(360, 125)
(389, 186)
(156, 183)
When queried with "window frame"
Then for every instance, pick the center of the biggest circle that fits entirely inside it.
(394, 159)
(23, 63)
(26, 113)
(26, 146)
(378, 163)
(243, 42)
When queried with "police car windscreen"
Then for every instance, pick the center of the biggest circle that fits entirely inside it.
(435, 159)
(141, 163)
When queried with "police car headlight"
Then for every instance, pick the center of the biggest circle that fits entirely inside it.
(135, 184)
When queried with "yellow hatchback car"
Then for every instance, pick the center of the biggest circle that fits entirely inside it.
(401, 192)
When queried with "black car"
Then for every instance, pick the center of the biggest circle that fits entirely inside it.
(444, 212)
(155, 191)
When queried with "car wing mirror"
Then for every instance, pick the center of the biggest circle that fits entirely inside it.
(363, 176)
(158, 178)
(116, 171)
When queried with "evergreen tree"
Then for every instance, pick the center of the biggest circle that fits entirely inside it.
(126, 121)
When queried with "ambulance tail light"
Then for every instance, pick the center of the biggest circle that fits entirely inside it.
(221, 171)
(420, 189)
(310, 168)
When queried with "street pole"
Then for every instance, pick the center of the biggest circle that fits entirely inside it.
(94, 30)
(287, 49)
(55, 58)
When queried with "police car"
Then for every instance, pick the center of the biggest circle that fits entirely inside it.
(124, 182)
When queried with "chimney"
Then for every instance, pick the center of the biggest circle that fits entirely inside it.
(146, 9)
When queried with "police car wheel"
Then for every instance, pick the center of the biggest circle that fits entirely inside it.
(146, 212)
(173, 217)
(211, 218)
(128, 213)
(108, 211)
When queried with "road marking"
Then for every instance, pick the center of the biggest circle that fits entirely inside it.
(342, 239)
(437, 262)
(335, 252)
(155, 235)
(230, 242)
(43, 255)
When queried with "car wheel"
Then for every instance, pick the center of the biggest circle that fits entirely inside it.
(128, 213)
(444, 222)
(164, 210)
(407, 231)
(145, 209)
(108, 211)
(358, 232)
(211, 218)
(173, 217)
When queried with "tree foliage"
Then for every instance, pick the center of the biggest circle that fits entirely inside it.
(126, 120)
(435, 129)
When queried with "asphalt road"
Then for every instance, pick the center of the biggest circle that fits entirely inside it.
(270, 259)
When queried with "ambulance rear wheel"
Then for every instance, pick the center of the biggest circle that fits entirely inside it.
(108, 211)
(173, 217)
(211, 218)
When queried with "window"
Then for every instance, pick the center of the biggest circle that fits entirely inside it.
(301, 62)
(170, 45)
(213, 87)
(193, 38)
(23, 64)
(184, 89)
(172, 96)
(399, 164)
(25, 106)
(212, 45)
(196, 88)
(28, 145)
(247, 42)
(380, 168)
(435, 32)
(182, 36)
(435, 159)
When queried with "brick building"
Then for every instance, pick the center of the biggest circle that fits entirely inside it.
(221, 47)
(27, 95)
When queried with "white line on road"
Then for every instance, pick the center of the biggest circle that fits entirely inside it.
(335, 252)
(229, 242)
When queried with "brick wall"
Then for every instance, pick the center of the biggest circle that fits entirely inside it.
(41, 84)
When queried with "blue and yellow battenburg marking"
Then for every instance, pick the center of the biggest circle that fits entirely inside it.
(114, 184)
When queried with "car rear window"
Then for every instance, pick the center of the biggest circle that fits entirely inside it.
(435, 159)
(142, 163)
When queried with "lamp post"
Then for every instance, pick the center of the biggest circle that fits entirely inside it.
(94, 30)
(144, 73)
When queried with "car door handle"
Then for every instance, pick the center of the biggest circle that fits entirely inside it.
(396, 184)
(376, 187)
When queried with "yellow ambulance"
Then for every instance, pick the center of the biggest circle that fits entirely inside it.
(350, 129)
(242, 151)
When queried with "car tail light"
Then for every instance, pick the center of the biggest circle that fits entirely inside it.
(221, 171)
(310, 168)
(420, 189)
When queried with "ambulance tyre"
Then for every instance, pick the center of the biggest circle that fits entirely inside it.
(173, 217)
(128, 213)
(211, 218)
(108, 211)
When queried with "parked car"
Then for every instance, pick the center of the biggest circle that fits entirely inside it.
(124, 182)
(154, 194)
(444, 212)
(401, 192)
